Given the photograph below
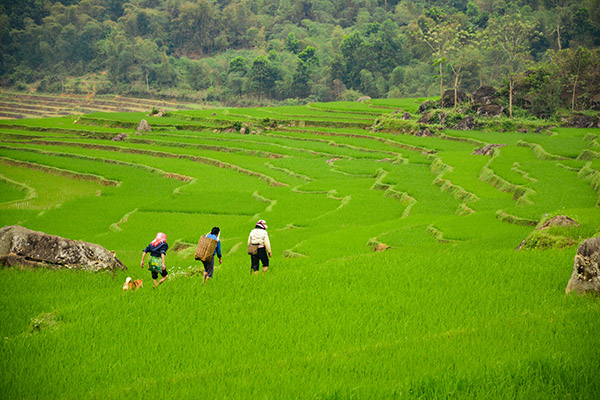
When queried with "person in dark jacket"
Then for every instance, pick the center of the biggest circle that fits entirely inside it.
(209, 265)
(157, 249)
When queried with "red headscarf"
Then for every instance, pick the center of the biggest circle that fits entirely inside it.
(160, 238)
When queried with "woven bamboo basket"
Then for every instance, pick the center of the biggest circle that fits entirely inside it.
(205, 249)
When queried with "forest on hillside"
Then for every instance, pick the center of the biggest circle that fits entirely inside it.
(242, 52)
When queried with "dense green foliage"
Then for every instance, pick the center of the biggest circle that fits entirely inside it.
(248, 51)
(451, 310)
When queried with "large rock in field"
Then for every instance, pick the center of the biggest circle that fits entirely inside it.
(586, 268)
(20, 246)
(143, 126)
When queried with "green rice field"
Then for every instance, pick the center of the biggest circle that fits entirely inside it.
(449, 310)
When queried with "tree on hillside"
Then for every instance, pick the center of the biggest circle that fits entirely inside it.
(461, 51)
(512, 34)
(438, 35)
(560, 17)
(147, 55)
(196, 25)
(572, 65)
(263, 75)
(116, 51)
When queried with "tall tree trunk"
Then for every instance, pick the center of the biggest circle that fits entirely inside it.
(147, 85)
(511, 84)
(455, 91)
(441, 85)
(558, 36)
(573, 96)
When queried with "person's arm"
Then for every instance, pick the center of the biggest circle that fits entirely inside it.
(219, 251)
(249, 238)
(163, 260)
(143, 256)
(268, 244)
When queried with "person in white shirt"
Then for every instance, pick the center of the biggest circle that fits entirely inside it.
(259, 236)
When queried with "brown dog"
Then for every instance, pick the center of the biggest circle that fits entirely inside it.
(132, 285)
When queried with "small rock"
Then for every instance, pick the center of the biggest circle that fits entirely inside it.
(381, 247)
(487, 150)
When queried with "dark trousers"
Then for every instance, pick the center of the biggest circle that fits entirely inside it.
(209, 266)
(261, 255)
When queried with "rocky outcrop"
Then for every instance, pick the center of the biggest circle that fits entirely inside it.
(406, 116)
(119, 137)
(20, 246)
(433, 118)
(363, 99)
(585, 277)
(448, 98)
(490, 110)
(466, 124)
(484, 96)
(581, 121)
(595, 103)
(428, 105)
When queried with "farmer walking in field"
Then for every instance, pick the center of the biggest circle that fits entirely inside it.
(209, 264)
(157, 249)
(259, 247)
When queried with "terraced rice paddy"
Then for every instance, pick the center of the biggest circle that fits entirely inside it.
(450, 310)
(19, 105)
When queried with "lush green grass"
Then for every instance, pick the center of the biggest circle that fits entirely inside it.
(446, 323)
(450, 311)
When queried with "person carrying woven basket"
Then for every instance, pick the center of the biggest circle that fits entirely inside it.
(209, 264)
(259, 236)
(157, 249)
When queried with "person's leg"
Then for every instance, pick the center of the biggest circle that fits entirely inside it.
(264, 259)
(208, 269)
(254, 264)
(164, 274)
(155, 277)
(205, 273)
